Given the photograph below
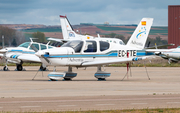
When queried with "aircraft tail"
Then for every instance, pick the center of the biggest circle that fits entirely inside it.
(140, 35)
(67, 29)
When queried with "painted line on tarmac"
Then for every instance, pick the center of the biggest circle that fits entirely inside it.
(30, 106)
(90, 100)
(138, 103)
(173, 102)
(105, 104)
(65, 105)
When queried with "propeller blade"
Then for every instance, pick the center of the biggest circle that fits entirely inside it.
(34, 48)
(45, 57)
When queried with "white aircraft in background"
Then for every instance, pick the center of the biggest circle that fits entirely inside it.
(70, 34)
(92, 52)
(23, 53)
(172, 55)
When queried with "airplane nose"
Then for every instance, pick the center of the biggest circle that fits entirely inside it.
(39, 53)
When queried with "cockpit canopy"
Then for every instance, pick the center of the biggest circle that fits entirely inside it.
(87, 46)
(37, 45)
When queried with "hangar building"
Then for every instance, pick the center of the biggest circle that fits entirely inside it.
(174, 25)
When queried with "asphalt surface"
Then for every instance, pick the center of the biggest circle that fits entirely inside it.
(18, 92)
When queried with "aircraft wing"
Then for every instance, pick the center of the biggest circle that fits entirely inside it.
(29, 58)
(102, 62)
(57, 40)
(160, 46)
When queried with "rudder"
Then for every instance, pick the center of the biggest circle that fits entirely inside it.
(67, 29)
(139, 37)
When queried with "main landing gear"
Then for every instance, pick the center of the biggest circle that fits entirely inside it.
(5, 68)
(68, 75)
(19, 67)
(101, 75)
(42, 68)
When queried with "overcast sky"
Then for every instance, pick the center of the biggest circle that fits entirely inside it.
(84, 11)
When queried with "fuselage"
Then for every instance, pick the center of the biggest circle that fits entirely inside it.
(174, 54)
(74, 53)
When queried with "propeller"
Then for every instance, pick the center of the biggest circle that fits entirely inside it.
(43, 56)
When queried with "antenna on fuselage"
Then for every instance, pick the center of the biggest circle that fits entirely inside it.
(98, 36)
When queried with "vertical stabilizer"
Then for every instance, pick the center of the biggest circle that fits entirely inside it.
(67, 29)
(139, 37)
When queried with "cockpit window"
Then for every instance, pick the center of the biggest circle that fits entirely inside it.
(103, 45)
(121, 43)
(91, 46)
(25, 45)
(43, 47)
(49, 47)
(76, 45)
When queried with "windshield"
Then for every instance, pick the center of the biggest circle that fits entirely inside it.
(76, 45)
(25, 45)
(56, 44)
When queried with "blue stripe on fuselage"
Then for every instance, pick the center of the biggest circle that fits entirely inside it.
(21, 51)
(81, 55)
(109, 54)
(144, 54)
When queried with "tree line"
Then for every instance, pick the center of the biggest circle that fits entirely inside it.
(14, 37)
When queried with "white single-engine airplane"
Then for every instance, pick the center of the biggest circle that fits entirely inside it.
(70, 34)
(23, 53)
(91, 52)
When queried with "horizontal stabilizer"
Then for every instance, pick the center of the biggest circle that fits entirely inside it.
(160, 46)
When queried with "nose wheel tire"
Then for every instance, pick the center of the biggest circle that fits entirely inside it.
(43, 68)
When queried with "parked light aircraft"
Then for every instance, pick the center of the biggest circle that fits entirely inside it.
(91, 52)
(172, 55)
(23, 53)
(70, 34)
